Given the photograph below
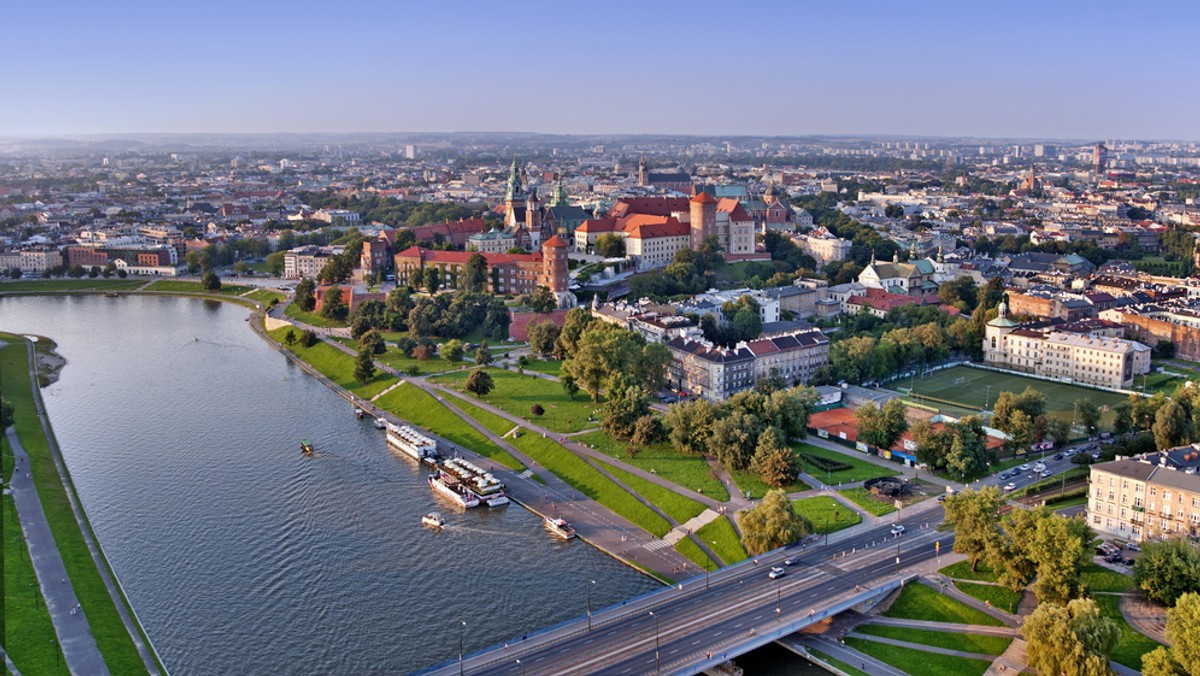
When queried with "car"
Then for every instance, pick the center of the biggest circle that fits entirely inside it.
(1005, 474)
(1132, 546)
(790, 561)
(1058, 456)
(941, 498)
(1046, 473)
(1039, 467)
(1025, 467)
(776, 573)
(1114, 558)
(1096, 455)
(1072, 452)
(1127, 561)
(1010, 487)
(897, 529)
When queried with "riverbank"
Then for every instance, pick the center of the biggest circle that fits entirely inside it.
(120, 639)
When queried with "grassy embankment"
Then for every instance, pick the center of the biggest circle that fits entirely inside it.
(334, 364)
(863, 498)
(185, 286)
(723, 540)
(674, 505)
(516, 394)
(1132, 643)
(826, 514)
(55, 285)
(971, 643)
(918, 602)
(311, 318)
(117, 647)
(914, 661)
(418, 407)
(551, 367)
(690, 472)
(265, 296)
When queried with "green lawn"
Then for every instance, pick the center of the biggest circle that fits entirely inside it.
(265, 296)
(29, 633)
(589, 481)
(516, 394)
(676, 506)
(915, 661)
(311, 318)
(689, 471)
(723, 540)
(918, 602)
(853, 671)
(168, 285)
(551, 367)
(1132, 644)
(826, 514)
(962, 571)
(859, 470)
(863, 498)
(335, 365)
(497, 425)
(1001, 598)
(402, 362)
(27, 285)
(973, 389)
(1101, 579)
(747, 480)
(114, 642)
(419, 408)
(972, 643)
(695, 554)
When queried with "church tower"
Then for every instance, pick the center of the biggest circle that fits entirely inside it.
(555, 274)
(995, 349)
(770, 196)
(642, 171)
(533, 219)
(514, 196)
(560, 196)
(703, 218)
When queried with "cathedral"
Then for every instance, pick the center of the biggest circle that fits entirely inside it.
(529, 222)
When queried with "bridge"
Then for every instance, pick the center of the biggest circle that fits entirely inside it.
(707, 620)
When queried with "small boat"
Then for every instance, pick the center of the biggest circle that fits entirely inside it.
(380, 423)
(111, 294)
(433, 520)
(359, 413)
(560, 527)
(306, 446)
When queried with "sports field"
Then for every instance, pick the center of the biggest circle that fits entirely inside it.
(969, 387)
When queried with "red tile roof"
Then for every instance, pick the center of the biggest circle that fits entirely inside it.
(461, 257)
(703, 198)
(669, 228)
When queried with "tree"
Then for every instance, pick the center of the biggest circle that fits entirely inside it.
(652, 364)
(452, 351)
(289, 338)
(1074, 639)
(1172, 424)
(306, 295)
(690, 424)
(789, 409)
(333, 304)
(1089, 415)
(774, 460)
(423, 352)
(475, 274)
(772, 523)
(647, 430)
(364, 367)
(210, 281)
(431, 279)
(733, 440)
(974, 516)
(577, 320)
(7, 413)
(1123, 418)
(1161, 662)
(626, 404)
(537, 410)
(1183, 630)
(1059, 430)
(308, 338)
(609, 245)
(543, 334)
(881, 427)
(1167, 569)
(480, 383)
(483, 356)
(542, 300)
(1061, 547)
(568, 385)
(1020, 431)
(372, 341)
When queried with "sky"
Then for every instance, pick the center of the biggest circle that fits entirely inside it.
(1048, 69)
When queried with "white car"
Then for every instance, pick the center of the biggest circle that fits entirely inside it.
(1046, 473)
(1025, 467)
(897, 529)
(776, 573)
(1040, 467)
(1010, 487)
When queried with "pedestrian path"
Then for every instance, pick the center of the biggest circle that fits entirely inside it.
(70, 624)
(922, 647)
(1145, 616)
(943, 626)
(694, 524)
(389, 388)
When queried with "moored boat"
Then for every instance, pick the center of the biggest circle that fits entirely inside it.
(560, 527)
(433, 520)
(449, 487)
(380, 423)
(479, 481)
(413, 443)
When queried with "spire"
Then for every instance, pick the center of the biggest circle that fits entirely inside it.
(515, 193)
(560, 195)
(940, 258)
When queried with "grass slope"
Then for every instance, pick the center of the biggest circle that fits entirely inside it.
(266, 296)
(676, 506)
(1101, 579)
(311, 318)
(749, 481)
(695, 554)
(918, 602)
(551, 367)
(170, 285)
(826, 514)
(914, 661)
(335, 365)
(689, 471)
(516, 394)
(962, 571)
(863, 498)
(1001, 598)
(29, 633)
(972, 643)
(723, 540)
(33, 285)
(418, 407)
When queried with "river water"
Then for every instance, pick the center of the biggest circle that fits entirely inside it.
(181, 427)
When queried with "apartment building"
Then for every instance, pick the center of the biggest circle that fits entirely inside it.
(307, 261)
(1152, 496)
(702, 369)
(31, 261)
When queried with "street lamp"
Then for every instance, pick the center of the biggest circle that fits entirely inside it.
(897, 558)
(987, 397)
(462, 624)
(589, 603)
(778, 598)
(657, 665)
(522, 666)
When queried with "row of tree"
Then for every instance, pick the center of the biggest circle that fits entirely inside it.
(595, 353)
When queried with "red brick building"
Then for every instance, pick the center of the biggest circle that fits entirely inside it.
(513, 274)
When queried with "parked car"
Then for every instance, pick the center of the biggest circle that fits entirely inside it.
(1058, 456)
(1132, 546)
(776, 573)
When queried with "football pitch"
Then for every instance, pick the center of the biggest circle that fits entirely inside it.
(976, 388)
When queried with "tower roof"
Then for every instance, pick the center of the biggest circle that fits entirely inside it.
(555, 242)
(703, 198)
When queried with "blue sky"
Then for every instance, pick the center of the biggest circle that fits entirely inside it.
(1048, 69)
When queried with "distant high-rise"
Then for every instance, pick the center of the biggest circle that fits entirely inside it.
(1042, 150)
(410, 152)
(1099, 158)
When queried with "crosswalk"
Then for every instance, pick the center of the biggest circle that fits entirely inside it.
(657, 545)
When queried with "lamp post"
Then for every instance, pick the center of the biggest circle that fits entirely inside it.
(778, 598)
(522, 667)
(897, 558)
(826, 528)
(657, 665)
(589, 603)
(987, 396)
(462, 624)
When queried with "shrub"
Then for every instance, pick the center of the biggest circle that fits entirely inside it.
(537, 409)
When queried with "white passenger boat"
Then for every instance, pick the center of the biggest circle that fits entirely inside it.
(433, 520)
(452, 489)
(560, 527)
(479, 481)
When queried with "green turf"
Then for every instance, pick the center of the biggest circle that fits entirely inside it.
(971, 393)
(1132, 644)
(826, 514)
(589, 481)
(962, 571)
(265, 296)
(689, 471)
(863, 498)
(311, 318)
(1001, 598)
(419, 408)
(35, 285)
(335, 365)
(674, 505)
(29, 633)
(860, 470)
(971, 643)
(551, 367)
(918, 602)
(494, 423)
(747, 480)
(695, 554)
(120, 654)
(846, 668)
(185, 286)
(516, 394)
(913, 661)
(402, 362)
(722, 540)
(1097, 578)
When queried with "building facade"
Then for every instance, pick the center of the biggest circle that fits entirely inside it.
(1153, 496)
(702, 369)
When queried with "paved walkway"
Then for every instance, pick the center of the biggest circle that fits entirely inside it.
(74, 634)
(1145, 616)
(694, 524)
(922, 647)
(944, 626)
(804, 643)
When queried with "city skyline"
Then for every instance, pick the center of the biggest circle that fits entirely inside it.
(1018, 71)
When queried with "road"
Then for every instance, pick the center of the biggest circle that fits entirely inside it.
(716, 615)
